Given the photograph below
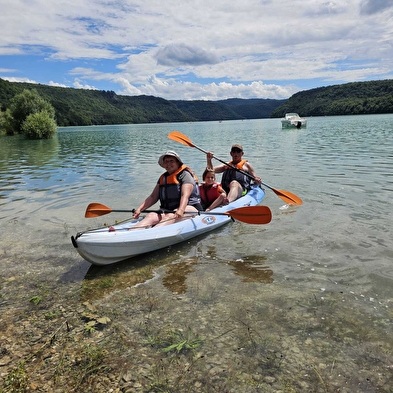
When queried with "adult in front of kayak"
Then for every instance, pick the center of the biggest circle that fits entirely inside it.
(177, 191)
(235, 181)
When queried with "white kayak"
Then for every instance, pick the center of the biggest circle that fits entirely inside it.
(104, 246)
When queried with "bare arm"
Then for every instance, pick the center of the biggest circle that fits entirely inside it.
(218, 168)
(249, 168)
(149, 201)
(186, 190)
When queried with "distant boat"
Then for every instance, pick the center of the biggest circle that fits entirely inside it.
(293, 120)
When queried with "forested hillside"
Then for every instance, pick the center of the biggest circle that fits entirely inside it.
(347, 99)
(76, 107)
(89, 107)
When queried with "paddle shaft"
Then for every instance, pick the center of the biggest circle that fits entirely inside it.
(233, 167)
(247, 214)
(166, 211)
(286, 196)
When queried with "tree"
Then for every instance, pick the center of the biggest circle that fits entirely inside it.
(39, 125)
(27, 103)
(6, 122)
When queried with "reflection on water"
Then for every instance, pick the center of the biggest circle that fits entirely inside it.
(342, 168)
(100, 281)
(176, 275)
(252, 269)
(26, 165)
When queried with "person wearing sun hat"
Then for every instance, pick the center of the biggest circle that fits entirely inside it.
(176, 189)
(233, 181)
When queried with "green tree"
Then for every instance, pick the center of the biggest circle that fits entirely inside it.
(6, 122)
(27, 103)
(39, 125)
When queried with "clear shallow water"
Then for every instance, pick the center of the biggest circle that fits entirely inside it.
(342, 168)
(313, 287)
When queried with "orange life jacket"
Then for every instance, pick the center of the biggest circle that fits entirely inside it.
(170, 189)
(231, 174)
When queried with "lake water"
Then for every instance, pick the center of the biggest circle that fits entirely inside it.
(338, 243)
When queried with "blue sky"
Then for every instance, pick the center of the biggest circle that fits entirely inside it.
(196, 50)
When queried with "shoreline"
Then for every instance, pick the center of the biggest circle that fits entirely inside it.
(196, 327)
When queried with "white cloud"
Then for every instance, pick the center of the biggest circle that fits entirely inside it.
(183, 54)
(51, 83)
(194, 50)
(374, 6)
(20, 80)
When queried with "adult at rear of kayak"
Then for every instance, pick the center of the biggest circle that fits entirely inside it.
(176, 189)
(233, 181)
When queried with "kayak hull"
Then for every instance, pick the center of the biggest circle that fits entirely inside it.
(104, 247)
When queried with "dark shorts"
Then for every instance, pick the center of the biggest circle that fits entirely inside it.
(198, 206)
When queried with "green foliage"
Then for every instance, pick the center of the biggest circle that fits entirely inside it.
(176, 341)
(16, 380)
(78, 107)
(36, 300)
(26, 103)
(348, 99)
(6, 122)
(39, 125)
(253, 108)
(182, 342)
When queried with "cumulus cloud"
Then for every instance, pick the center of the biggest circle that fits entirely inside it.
(212, 50)
(16, 79)
(182, 54)
(51, 83)
(174, 90)
(80, 85)
(369, 7)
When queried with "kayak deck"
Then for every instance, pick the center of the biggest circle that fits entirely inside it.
(113, 244)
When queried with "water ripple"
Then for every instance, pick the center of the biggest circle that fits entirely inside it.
(342, 168)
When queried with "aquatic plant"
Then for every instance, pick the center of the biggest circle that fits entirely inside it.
(183, 342)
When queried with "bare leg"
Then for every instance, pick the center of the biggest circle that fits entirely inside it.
(170, 218)
(218, 202)
(150, 220)
(235, 191)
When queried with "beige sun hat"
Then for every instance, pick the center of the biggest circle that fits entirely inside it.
(170, 153)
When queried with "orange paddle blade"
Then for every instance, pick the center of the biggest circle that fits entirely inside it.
(251, 214)
(96, 209)
(247, 214)
(288, 197)
(181, 138)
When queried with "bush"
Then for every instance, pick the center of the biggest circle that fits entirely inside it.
(25, 104)
(6, 120)
(40, 125)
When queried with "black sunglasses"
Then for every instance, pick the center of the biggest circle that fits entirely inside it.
(236, 151)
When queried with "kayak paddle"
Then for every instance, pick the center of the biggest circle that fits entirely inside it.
(247, 214)
(286, 196)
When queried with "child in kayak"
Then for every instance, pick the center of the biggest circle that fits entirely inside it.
(211, 192)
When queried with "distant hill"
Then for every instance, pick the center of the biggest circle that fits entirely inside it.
(92, 107)
(253, 108)
(347, 99)
(78, 107)
(230, 109)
